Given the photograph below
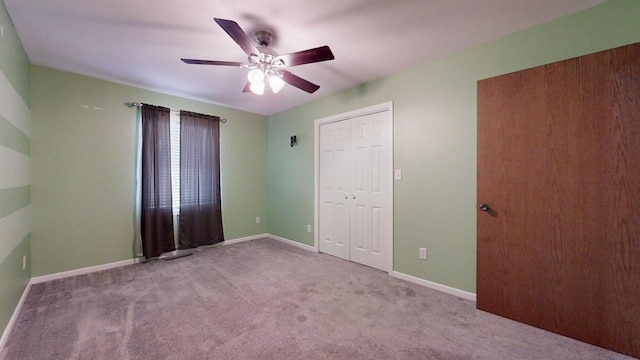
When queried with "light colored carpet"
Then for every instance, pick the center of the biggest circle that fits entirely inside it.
(264, 299)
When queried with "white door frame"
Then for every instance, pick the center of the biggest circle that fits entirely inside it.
(388, 106)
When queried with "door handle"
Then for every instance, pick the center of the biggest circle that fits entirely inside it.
(485, 207)
(353, 197)
(346, 197)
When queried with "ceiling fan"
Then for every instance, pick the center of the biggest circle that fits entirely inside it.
(267, 67)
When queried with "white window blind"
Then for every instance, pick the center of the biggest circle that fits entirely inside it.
(175, 160)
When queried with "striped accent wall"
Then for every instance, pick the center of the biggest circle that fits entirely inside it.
(15, 198)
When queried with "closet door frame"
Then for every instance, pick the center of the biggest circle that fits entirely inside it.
(384, 107)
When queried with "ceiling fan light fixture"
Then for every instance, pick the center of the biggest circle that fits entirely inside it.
(256, 76)
(276, 83)
(257, 87)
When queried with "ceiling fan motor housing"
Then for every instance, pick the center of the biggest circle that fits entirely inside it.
(264, 38)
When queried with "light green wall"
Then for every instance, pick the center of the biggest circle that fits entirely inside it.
(13, 60)
(290, 175)
(13, 280)
(15, 179)
(434, 140)
(83, 169)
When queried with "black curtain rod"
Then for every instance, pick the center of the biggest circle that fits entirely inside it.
(137, 105)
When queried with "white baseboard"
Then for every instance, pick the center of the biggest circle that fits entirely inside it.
(246, 238)
(416, 280)
(82, 271)
(434, 285)
(14, 317)
(90, 269)
(430, 284)
(293, 243)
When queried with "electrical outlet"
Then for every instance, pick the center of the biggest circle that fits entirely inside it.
(423, 253)
(308, 228)
(258, 220)
(24, 262)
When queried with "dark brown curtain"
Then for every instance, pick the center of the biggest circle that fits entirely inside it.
(200, 202)
(156, 225)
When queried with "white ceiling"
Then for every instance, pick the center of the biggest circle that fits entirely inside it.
(140, 42)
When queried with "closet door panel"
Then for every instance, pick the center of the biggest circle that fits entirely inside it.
(326, 230)
(334, 182)
(360, 209)
(372, 184)
(341, 177)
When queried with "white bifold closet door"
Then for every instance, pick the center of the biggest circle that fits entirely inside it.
(355, 188)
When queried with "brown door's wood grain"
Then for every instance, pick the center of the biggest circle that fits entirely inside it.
(559, 164)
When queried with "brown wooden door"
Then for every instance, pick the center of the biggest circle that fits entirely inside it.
(559, 166)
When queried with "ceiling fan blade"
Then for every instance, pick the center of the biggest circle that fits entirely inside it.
(299, 82)
(238, 35)
(318, 54)
(212, 62)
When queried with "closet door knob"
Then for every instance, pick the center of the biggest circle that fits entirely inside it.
(346, 197)
(353, 197)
